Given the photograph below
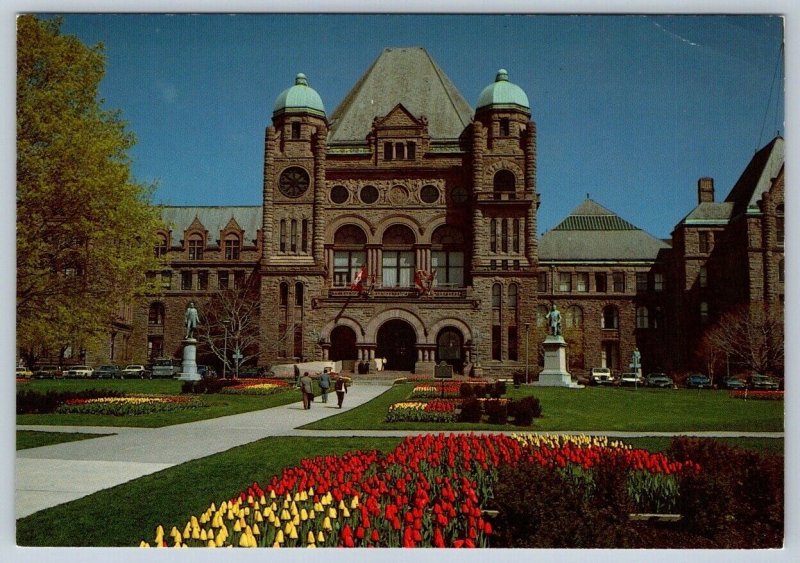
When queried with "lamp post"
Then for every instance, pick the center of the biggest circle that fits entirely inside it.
(527, 349)
(225, 348)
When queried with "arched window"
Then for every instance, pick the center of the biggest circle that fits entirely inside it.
(497, 291)
(610, 317)
(574, 317)
(513, 293)
(293, 236)
(642, 317)
(195, 247)
(504, 182)
(298, 294)
(304, 236)
(232, 247)
(349, 255)
(283, 236)
(284, 294)
(398, 257)
(156, 314)
(160, 248)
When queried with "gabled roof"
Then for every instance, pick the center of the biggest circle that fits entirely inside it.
(407, 76)
(757, 177)
(214, 219)
(710, 213)
(593, 233)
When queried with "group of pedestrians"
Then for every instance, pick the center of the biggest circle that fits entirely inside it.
(307, 390)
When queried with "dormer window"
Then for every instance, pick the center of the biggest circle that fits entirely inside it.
(406, 150)
(232, 247)
(196, 247)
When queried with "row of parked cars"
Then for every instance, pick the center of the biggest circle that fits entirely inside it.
(604, 376)
(109, 371)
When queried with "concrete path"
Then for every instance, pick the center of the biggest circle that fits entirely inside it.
(52, 475)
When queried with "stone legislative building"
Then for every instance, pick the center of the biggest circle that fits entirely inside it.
(402, 226)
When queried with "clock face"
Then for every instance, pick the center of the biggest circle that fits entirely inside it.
(293, 182)
(459, 194)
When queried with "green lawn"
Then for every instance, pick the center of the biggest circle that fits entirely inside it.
(31, 439)
(128, 513)
(218, 404)
(596, 409)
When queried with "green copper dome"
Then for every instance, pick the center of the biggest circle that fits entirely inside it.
(502, 93)
(300, 98)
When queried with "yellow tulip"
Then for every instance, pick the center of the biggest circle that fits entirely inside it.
(212, 508)
(144, 544)
(262, 500)
(279, 537)
(195, 533)
(276, 544)
(224, 506)
(310, 538)
(296, 496)
(293, 533)
(341, 504)
(287, 528)
(311, 491)
(258, 517)
(311, 546)
(318, 506)
(249, 499)
(243, 541)
(203, 535)
(211, 543)
(285, 514)
(246, 510)
(272, 494)
(237, 527)
(332, 512)
(296, 520)
(303, 515)
(220, 539)
(174, 532)
(255, 530)
(354, 503)
(303, 496)
(312, 514)
(326, 524)
(320, 537)
(273, 507)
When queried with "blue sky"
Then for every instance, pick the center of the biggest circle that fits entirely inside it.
(631, 110)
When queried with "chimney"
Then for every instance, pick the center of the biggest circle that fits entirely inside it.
(705, 190)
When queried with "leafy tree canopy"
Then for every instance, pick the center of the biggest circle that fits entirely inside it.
(85, 228)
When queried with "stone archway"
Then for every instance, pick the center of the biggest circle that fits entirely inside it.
(397, 342)
(343, 344)
(450, 348)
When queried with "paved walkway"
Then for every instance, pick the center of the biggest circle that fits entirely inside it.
(52, 475)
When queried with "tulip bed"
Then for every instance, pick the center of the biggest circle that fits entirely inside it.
(130, 405)
(437, 410)
(758, 395)
(257, 387)
(430, 491)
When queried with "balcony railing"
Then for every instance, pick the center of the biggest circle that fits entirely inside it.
(379, 292)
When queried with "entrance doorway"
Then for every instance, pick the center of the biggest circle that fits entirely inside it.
(449, 348)
(397, 342)
(609, 355)
(343, 344)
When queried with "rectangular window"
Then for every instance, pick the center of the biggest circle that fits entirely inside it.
(387, 151)
(293, 237)
(304, 236)
(505, 127)
(516, 264)
(160, 248)
(600, 282)
(504, 235)
(411, 149)
(238, 279)
(706, 241)
(582, 281)
(496, 342)
(222, 279)
(493, 235)
(449, 267)
(400, 151)
(202, 280)
(492, 264)
(513, 344)
(564, 282)
(641, 281)
(232, 249)
(515, 238)
(166, 280)
(195, 249)
(619, 282)
(398, 268)
(346, 265)
(702, 277)
(186, 280)
(295, 130)
(504, 264)
(541, 278)
(658, 282)
(283, 235)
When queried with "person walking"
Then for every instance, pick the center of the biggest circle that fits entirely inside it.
(307, 390)
(325, 384)
(340, 385)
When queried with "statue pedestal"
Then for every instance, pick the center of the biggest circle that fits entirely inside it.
(424, 368)
(189, 367)
(555, 372)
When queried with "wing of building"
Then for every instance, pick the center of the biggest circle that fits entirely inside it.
(403, 226)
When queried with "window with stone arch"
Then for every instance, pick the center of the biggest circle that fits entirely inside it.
(160, 248)
(283, 290)
(156, 314)
(505, 183)
(397, 268)
(196, 245)
(610, 319)
(233, 246)
(349, 254)
(573, 317)
(642, 317)
(447, 256)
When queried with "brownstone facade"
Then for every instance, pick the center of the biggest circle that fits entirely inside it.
(406, 183)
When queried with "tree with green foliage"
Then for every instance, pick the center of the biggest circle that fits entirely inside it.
(85, 228)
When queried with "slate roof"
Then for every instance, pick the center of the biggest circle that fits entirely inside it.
(214, 219)
(593, 233)
(408, 76)
(756, 179)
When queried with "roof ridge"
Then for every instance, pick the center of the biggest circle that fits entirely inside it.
(439, 74)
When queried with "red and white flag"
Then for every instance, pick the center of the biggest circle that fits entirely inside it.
(358, 280)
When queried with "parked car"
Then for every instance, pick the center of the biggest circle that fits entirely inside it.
(734, 383)
(135, 370)
(661, 380)
(166, 367)
(763, 383)
(23, 372)
(631, 379)
(109, 371)
(47, 372)
(79, 371)
(698, 381)
(601, 376)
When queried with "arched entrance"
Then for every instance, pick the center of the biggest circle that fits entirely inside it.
(343, 344)
(449, 348)
(397, 342)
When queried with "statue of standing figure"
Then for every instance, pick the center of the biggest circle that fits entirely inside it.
(191, 320)
(636, 358)
(554, 318)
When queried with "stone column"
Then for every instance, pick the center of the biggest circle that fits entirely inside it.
(189, 366)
